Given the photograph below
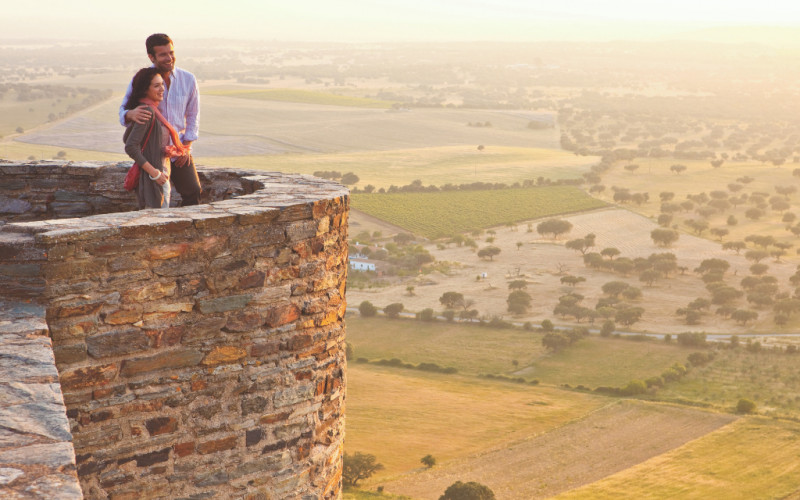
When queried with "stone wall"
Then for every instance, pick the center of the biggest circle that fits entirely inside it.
(200, 350)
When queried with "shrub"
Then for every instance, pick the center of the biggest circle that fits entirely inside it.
(654, 382)
(634, 387)
(426, 314)
(367, 310)
(700, 358)
(393, 310)
(745, 406)
(428, 461)
(497, 322)
(692, 339)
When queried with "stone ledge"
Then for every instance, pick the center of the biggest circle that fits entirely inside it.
(37, 459)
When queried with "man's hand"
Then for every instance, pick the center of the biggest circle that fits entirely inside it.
(184, 160)
(138, 115)
(181, 161)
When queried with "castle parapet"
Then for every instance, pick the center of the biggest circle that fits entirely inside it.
(199, 351)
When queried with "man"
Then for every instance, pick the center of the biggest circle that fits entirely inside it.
(181, 108)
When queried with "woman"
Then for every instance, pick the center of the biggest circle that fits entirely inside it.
(148, 144)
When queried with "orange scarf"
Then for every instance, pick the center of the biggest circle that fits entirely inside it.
(177, 148)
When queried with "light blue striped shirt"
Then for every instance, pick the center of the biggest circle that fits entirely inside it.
(181, 104)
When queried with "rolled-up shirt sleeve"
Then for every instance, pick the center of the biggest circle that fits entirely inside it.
(122, 109)
(192, 114)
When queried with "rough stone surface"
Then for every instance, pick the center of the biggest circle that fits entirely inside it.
(189, 341)
(37, 459)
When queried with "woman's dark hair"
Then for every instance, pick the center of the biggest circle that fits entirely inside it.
(139, 85)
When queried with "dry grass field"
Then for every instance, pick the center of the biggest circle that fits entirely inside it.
(402, 415)
(540, 259)
(752, 458)
(601, 443)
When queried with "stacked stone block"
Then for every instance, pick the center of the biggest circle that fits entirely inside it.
(200, 350)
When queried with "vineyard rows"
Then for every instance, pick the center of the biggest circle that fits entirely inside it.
(441, 214)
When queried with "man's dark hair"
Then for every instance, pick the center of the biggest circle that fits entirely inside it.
(156, 40)
(139, 85)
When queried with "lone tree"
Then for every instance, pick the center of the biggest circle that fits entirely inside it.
(490, 252)
(664, 237)
(359, 466)
(428, 461)
(678, 168)
(467, 491)
(451, 300)
(572, 280)
(555, 227)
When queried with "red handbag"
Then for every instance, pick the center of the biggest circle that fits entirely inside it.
(132, 177)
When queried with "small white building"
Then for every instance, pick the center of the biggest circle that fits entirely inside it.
(361, 264)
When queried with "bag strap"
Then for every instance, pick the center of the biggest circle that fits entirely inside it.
(152, 122)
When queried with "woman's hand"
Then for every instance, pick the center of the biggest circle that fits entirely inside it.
(162, 179)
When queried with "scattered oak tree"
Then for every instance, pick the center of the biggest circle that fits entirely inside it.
(359, 466)
(518, 302)
(467, 491)
(555, 227)
(490, 252)
(664, 237)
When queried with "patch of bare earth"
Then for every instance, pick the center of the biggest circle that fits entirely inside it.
(542, 262)
(605, 442)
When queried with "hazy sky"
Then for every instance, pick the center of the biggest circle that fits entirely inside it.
(383, 20)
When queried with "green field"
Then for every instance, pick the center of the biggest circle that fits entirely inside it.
(770, 379)
(475, 350)
(435, 215)
(751, 458)
(303, 97)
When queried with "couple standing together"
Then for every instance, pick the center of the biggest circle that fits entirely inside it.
(160, 110)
